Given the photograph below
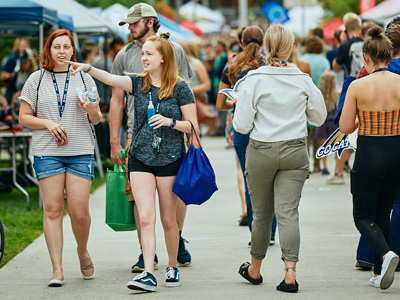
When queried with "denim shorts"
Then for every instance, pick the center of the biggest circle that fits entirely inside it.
(79, 165)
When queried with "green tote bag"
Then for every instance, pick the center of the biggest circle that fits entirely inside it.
(119, 211)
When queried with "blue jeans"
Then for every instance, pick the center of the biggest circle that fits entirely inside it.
(365, 254)
(240, 142)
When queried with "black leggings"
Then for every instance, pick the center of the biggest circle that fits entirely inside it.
(375, 183)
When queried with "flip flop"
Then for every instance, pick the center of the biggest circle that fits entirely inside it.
(244, 272)
(293, 288)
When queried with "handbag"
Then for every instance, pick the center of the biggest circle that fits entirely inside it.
(204, 111)
(195, 181)
(119, 210)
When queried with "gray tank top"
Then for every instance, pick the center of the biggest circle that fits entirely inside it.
(195, 80)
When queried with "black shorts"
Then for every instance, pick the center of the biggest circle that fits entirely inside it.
(135, 165)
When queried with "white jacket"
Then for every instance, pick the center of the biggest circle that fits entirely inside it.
(275, 104)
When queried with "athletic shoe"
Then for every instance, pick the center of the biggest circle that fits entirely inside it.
(388, 268)
(172, 277)
(139, 266)
(375, 281)
(184, 258)
(143, 282)
(325, 172)
(335, 180)
(272, 241)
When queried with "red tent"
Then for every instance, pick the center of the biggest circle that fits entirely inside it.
(329, 28)
(193, 27)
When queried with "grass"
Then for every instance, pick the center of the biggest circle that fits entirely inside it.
(23, 222)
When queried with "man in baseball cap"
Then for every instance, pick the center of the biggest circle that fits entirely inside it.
(143, 23)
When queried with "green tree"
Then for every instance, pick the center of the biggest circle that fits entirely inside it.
(106, 3)
(338, 8)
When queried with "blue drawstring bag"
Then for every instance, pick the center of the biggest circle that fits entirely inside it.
(195, 181)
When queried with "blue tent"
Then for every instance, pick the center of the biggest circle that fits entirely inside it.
(65, 22)
(17, 11)
(24, 17)
(178, 33)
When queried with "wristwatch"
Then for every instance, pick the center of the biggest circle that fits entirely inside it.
(173, 123)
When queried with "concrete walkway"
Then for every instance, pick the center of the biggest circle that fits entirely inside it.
(218, 247)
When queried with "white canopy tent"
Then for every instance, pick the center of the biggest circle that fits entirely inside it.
(208, 20)
(383, 13)
(85, 21)
(303, 19)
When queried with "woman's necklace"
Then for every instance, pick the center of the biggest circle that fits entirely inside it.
(283, 63)
(379, 70)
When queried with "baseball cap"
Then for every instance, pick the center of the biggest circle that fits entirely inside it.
(22, 56)
(137, 12)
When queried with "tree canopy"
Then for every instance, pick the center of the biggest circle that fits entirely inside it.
(106, 3)
(338, 8)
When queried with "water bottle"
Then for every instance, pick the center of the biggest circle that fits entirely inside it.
(93, 94)
(150, 112)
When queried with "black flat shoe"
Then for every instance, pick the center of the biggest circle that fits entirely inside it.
(244, 272)
(293, 288)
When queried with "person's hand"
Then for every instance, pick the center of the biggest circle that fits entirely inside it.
(232, 57)
(89, 106)
(76, 67)
(158, 121)
(114, 153)
(56, 130)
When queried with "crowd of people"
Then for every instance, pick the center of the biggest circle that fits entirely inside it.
(275, 146)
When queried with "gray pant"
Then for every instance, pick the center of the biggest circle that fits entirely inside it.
(275, 174)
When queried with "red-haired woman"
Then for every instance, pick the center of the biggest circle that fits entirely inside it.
(63, 147)
(157, 148)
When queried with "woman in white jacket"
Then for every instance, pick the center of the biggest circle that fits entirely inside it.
(274, 105)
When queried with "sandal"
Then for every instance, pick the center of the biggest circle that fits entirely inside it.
(292, 288)
(243, 220)
(244, 272)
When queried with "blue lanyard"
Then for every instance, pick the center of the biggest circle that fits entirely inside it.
(61, 105)
(157, 108)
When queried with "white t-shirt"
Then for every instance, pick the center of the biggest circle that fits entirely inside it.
(74, 119)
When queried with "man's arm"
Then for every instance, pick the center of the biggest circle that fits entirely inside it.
(335, 66)
(116, 111)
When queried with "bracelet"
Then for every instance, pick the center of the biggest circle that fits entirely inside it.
(88, 70)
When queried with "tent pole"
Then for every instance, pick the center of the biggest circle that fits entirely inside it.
(41, 33)
(243, 13)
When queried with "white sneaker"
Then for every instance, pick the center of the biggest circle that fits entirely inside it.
(335, 180)
(375, 281)
(388, 268)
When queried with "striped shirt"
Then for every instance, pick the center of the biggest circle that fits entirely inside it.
(379, 122)
(74, 119)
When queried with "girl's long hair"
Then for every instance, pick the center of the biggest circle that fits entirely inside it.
(250, 57)
(327, 85)
(169, 76)
(278, 43)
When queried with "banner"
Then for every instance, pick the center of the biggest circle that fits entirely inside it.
(366, 5)
(275, 12)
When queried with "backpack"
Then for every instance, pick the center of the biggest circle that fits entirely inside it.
(356, 57)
